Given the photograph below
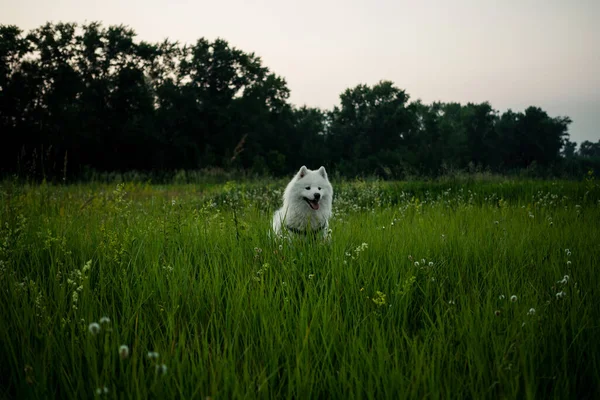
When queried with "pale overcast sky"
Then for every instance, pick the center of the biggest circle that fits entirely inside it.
(512, 53)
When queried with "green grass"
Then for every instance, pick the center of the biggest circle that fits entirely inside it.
(409, 299)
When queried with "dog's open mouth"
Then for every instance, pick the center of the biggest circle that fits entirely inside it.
(314, 204)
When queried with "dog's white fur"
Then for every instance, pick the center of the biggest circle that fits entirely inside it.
(307, 189)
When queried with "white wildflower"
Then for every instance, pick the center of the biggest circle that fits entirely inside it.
(161, 369)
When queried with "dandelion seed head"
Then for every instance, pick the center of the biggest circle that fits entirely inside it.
(94, 328)
(501, 297)
(124, 351)
(513, 298)
(431, 263)
(497, 313)
(153, 355)
(104, 320)
(531, 311)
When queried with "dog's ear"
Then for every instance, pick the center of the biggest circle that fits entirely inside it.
(322, 172)
(303, 171)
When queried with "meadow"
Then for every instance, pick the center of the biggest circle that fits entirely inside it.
(466, 289)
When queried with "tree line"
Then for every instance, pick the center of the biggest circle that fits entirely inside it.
(75, 98)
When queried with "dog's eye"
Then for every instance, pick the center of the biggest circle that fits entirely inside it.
(307, 188)
(319, 188)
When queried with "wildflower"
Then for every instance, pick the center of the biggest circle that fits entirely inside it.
(379, 298)
(431, 263)
(104, 320)
(153, 355)
(310, 276)
(496, 222)
(560, 295)
(501, 297)
(569, 262)
(173, 202)
(451, 302)
(497, 313)
(531, 311)
(101, 391)
(416, 263)
(513, 298)
(161, 369)
(564, 280)
(410, 257)
(423, 261)
(568, 252)
(94, 328)
(87, 266)
(124, 351)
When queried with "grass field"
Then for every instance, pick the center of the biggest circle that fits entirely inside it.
(468, 289)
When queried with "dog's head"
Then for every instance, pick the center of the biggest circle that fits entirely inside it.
(313, 187)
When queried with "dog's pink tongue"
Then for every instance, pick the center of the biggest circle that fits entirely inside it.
(314, 205)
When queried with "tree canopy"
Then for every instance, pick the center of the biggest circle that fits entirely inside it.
(97, 98)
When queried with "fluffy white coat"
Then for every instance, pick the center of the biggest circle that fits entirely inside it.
(306, 204)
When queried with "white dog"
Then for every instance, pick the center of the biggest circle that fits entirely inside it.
(306, 204)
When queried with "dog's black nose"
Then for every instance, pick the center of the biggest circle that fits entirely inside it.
(317, 196)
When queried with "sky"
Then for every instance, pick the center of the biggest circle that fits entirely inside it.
(512, 53)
